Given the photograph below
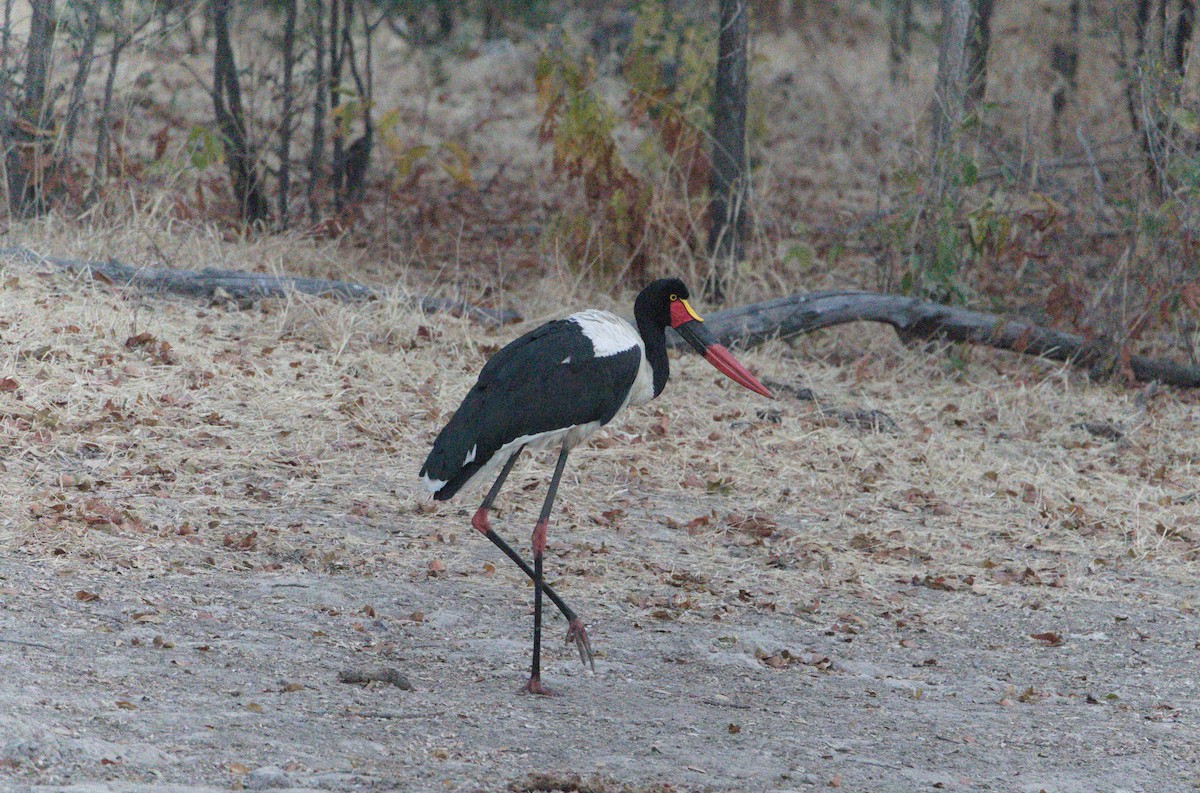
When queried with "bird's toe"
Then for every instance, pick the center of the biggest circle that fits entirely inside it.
(577, 632)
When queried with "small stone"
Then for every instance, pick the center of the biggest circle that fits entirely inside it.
(382, 674)
(268, 777)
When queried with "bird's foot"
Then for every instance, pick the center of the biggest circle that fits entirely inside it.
(480, 521)
(535, 686)
(576, 632)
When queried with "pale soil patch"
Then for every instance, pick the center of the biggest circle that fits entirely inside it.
(243, 504)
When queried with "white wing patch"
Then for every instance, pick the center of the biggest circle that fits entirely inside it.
(470, 458)
(567, 359)
(608, 333)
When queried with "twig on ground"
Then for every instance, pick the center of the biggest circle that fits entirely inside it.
(27, 644)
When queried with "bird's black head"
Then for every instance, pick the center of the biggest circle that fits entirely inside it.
(657, 305)
(665, 303)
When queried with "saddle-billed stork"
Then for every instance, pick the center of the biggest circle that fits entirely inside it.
(558, 384)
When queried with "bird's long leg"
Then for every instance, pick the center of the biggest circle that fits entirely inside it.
(534, 686)
(576, 632)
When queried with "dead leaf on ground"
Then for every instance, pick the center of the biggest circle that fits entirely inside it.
(755, 525)
(1049, 638)
(243, 543)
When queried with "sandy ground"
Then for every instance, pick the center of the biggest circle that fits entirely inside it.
(210, 512)
(215, 681)
(199, 539)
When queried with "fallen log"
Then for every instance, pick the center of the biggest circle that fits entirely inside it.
(237, 285)
(745, 327)
(913, 319)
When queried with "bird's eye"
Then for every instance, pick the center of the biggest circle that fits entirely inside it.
(674, 298)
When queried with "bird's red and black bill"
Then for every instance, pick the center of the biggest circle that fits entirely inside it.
(689, 325)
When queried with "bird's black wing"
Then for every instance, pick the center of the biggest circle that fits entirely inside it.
(548, 379)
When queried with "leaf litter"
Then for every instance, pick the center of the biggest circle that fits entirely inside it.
(256, 480)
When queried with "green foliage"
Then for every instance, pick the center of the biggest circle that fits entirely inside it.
(935, 275)
(450, 156)
(204, 148)
(633, 204)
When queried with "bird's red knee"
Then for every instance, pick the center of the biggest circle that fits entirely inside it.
(539, 538)
(480, 521)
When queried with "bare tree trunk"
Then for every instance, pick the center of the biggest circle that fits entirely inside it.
(87, 49)
(352, 180)
(936, 241)
(900, 23)
(37, 58)
(949, 98)
(979, 40)
(227, 105)
(24, 138)
(100, 166)
(337, 58)
(319, 105)
(1134, 80)
(1064, 60)
(1154, 76)
(1185, 24)
(285, 131)
(727, 210)
(6, 45)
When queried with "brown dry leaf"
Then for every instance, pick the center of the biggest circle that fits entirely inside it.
(126, 705)
(8, 384)
(1050, 638)
(734, 729)
(660, 426)
(755, 525)
(1029, 696)
(140, 340)
(609, 517)
(946, 583)
(238, 768)
(85, 596)
(436, 568)
(243, 543)
(254, 707)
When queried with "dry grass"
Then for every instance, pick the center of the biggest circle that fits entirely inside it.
(290, 435)
(304, 420)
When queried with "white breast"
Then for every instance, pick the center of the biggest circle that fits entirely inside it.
(610, 335)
